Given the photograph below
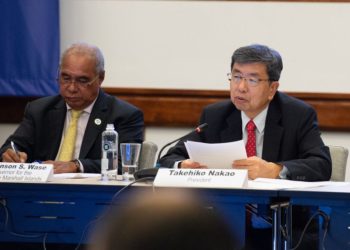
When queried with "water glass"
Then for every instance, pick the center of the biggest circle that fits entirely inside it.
(130, 153)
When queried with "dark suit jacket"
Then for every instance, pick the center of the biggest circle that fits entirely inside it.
(292, 137)
(40, 132)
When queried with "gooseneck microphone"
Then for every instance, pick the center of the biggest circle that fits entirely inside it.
(152, 172)
(197, 130)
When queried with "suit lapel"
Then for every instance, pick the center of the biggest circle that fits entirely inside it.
(95, 125)
(273, 132)
(55, 118)
(233, 130)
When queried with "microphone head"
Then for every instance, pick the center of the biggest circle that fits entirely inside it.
(201, 127)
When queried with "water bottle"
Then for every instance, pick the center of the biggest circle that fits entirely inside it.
(109, 162)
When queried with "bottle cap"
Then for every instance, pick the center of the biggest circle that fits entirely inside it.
(110, 126)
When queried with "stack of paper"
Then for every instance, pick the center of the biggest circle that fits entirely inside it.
(216, 155)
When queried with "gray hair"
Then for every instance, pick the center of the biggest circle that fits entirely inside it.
(257, 53)
(86, 49)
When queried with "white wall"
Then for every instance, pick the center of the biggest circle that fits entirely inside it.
(188, 44)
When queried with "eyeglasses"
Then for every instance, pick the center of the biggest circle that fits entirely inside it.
(80, 81)
(251, 80)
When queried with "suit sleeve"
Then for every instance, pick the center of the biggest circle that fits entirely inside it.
(23, 136)
(313, 162)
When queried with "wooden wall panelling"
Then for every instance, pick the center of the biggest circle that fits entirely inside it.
(169, 107)
(182, 108)
(332, 109)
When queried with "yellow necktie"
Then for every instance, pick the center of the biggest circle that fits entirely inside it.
(68, 144)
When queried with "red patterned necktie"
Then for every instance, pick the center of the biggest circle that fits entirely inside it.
(251, 142)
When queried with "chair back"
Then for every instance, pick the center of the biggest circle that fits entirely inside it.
(148, 155)
(339, 157)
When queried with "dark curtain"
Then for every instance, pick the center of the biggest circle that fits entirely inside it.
(29, 47)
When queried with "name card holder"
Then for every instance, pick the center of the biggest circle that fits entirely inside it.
(25, 172)
(202, 178)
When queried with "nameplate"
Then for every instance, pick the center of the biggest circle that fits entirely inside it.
(202, 178)
(25, 172)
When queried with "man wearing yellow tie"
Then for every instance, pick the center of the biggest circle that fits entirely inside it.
(65, 130)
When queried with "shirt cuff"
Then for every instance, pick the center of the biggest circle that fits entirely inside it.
(177, 164)
(79, 165)
(283, 173)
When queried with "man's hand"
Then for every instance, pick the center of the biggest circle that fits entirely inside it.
(60, 167)
(10, 156)
(258, 167)
(191, 164)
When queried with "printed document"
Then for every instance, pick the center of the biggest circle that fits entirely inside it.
(216, 155)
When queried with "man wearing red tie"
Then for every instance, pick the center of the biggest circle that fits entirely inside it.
(281, 133)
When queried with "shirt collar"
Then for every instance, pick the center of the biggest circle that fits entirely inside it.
(259, 120)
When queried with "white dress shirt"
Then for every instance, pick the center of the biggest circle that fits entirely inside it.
(82, 123)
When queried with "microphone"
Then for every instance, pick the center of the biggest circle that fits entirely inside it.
(197, 130)
(152, 172)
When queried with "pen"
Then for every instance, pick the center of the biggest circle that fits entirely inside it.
(14, 148)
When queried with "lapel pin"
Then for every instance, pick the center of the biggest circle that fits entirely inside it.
(98, 121)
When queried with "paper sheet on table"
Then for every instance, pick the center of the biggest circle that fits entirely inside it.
(280, 184)
(216, 155)
(75, 176)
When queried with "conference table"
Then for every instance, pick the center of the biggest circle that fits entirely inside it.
(63, 210)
